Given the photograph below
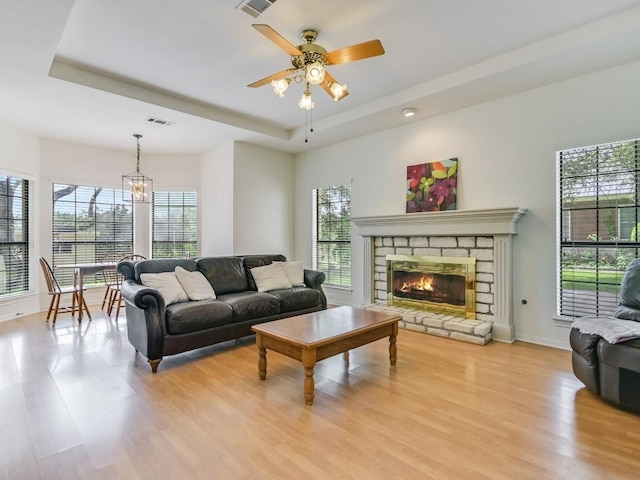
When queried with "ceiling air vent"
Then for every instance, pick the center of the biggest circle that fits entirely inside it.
(255, 7)
(159, 121)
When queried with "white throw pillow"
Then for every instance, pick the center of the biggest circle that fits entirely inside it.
(196, 286)
(270, 277)
(167, 284)
(294, 272)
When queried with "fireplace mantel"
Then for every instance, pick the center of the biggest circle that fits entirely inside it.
(495, 221)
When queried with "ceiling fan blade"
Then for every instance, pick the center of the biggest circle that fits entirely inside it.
(326, 86)
(276, 38)
(372, 48)
(268, 79)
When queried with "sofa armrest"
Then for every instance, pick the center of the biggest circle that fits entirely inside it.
(141, 296)
(126, 268)
(314, 279)
(145, 318)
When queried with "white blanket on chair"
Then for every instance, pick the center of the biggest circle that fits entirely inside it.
(613, 330)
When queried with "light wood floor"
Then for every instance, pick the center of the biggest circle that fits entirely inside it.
(76, 402)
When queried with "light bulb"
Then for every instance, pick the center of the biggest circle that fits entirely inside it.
(315, 73)
(280, 86)
(306, 102)
(338, 90)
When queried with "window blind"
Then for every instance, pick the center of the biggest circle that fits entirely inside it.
(175, 224)
(14, 235)
(332, 234)
(88, 223)
(599, 215)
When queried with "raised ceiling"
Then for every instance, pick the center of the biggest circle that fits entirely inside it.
(93, 71)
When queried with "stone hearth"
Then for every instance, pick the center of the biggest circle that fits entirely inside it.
(483, 234)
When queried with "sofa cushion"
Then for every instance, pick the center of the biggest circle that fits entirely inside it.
(252, 261)
(225, 274)
(251, 305)
(270, 277)
(194, 316)
(195, 285)
(167, 284)
(297, 298)
(162, 265)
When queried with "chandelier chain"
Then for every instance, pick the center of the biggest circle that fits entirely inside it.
(138, 137)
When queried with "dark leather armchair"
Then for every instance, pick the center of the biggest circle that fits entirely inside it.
(612, 370)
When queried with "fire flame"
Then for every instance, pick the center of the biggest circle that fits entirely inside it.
(425, 284)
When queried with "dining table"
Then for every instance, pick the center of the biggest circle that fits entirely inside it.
(82, 269)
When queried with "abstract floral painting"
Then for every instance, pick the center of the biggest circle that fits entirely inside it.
(432, 187)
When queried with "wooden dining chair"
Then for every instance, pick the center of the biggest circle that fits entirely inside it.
(110, 278)
(116, 300)
(57, 292)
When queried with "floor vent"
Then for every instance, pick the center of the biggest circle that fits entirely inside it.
(255, 7)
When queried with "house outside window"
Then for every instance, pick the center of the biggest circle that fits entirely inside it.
(332, 234)
(88, 223)
(599, 218)
(14, 235)
(175, 224)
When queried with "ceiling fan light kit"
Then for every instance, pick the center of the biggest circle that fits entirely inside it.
(309, 62)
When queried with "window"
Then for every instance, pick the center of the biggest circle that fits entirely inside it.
(332, 234)
(14, 235)
(599, 189)
(175, 224)
(88, 223)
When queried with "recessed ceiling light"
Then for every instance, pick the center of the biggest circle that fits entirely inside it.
(409, 112)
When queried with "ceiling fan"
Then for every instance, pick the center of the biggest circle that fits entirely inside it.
(308, 64)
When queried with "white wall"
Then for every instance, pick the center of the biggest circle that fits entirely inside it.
(262, 201)
(216, 202)
(19, 156)
(506, 150)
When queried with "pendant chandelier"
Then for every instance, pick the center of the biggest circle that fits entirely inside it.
(137, 187)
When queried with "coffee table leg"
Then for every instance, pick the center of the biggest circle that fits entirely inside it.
(393, 348)
(262, 358)
(345, 356)
(308, 362)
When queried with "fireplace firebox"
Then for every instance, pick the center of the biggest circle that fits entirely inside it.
(435, 284)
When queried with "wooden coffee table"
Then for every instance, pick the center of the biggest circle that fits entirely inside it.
(315, 336)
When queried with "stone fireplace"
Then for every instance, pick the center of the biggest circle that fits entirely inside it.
(479, 237)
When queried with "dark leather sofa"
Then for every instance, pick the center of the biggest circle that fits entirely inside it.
(612, 370)
(155, 329)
